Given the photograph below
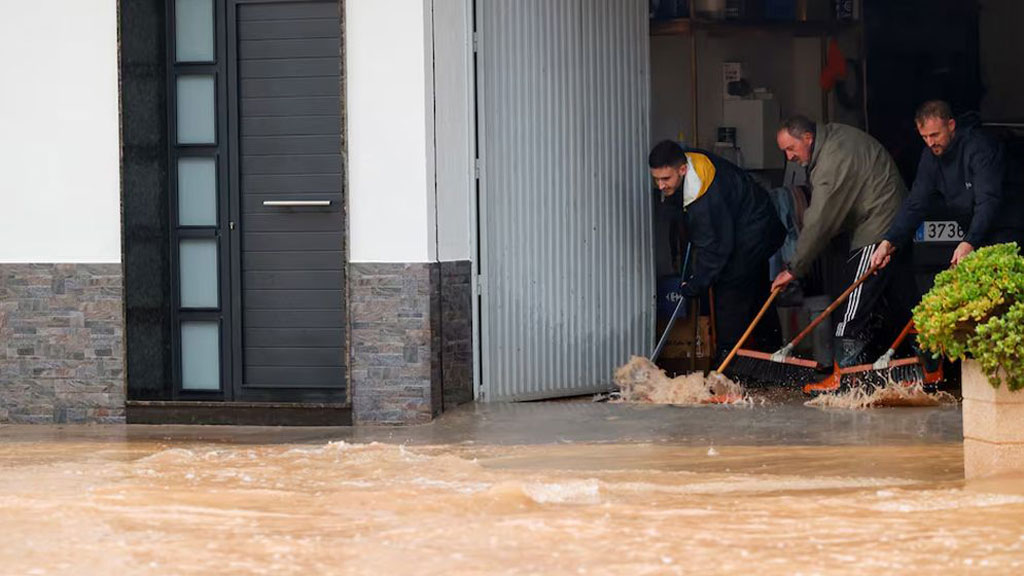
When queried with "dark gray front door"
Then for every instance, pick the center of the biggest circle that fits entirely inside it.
(284, 67)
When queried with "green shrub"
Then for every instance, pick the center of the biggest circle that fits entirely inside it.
(999, 343)
(976, 309)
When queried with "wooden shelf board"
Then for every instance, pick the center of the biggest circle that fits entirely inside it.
(686, 26)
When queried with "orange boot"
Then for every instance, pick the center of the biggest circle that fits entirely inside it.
(825, 386)
(932, 379)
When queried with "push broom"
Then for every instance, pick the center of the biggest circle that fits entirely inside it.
(716, 376)
(887, 369)
(781, 366)
(757, 319)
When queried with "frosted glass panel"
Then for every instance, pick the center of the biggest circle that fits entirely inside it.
(200, 356)
(197, 192)
(193, 30)
(197, 116)
(198, 262)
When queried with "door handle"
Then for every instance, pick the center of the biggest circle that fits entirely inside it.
(296, 203)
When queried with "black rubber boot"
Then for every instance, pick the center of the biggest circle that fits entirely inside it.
(850, 352)
(932, 367)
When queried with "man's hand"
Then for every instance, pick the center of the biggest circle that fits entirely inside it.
(782, 280)
(883, 254)
(962, 250)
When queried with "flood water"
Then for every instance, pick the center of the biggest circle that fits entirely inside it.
(266, 501)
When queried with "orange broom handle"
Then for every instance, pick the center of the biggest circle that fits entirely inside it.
(903, 334)
(750, 329)
(831, 307)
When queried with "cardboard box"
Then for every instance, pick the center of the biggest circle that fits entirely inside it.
(680, 348)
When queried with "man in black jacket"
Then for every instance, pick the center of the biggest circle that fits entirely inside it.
(732, 224)
(963, 170)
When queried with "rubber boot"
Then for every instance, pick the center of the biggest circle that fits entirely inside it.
(826, 385)
(845, 352)
(850, 352)
(931, 366)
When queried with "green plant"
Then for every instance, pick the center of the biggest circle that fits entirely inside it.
(967, 312)
(999, 343)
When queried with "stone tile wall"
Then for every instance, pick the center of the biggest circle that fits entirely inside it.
(61, 343)
(395, 343)
(457, 332)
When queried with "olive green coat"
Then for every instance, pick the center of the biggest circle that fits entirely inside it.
(856, 190)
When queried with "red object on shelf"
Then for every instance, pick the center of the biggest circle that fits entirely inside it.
(835, 66)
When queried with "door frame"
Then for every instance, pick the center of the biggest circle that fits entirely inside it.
(476, 178)
(234, 197)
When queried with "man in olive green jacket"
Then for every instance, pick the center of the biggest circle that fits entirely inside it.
(856, 191)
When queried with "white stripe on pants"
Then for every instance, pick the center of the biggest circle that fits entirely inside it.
(854, 301)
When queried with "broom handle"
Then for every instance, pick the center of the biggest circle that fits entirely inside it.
(831, 307)
(903, 335)
(675, 312)
(750, 329)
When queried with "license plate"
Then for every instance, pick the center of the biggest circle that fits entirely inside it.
(935, 231)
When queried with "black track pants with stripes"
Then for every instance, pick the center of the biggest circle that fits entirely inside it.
(878, 309)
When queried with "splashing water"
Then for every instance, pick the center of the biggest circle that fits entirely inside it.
(641, 381)
(891, 394)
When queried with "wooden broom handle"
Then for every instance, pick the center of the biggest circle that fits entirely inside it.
(750, 329)
(831, 307)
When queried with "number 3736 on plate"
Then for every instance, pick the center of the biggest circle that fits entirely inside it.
(939, 231)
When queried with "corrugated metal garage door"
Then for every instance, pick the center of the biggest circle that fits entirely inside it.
(566, 259)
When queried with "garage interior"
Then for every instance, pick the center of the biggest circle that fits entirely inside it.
(897, 54)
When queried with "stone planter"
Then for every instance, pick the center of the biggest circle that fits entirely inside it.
(993, 425)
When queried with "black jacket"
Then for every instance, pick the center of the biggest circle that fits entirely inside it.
(967, 184)
(733, 226)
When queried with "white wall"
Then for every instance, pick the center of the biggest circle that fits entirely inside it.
(59, 148)
(768, 60)
(671, 102)
(390, 130)
(788, 66)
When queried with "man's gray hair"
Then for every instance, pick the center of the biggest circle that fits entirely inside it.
(797, 126)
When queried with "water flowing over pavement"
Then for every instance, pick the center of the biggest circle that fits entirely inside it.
(527, 489)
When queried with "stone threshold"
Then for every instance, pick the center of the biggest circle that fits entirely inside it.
(238, 413)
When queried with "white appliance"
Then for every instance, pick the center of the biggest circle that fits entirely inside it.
(756, 122)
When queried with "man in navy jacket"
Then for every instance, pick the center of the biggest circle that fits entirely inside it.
(963, 170)
(731, 222)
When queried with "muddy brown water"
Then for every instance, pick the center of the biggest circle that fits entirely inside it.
(153, 505)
